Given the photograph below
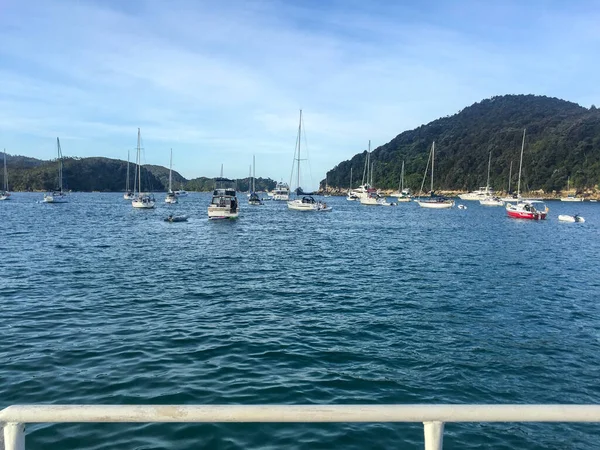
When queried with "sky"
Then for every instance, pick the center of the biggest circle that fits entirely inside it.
(221, 81)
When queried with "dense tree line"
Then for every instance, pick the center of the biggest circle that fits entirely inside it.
(562, 140)
(104, 175)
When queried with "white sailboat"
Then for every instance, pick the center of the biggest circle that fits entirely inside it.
(253, 198)
(141, 200)
(4, 194)
(433, 201)
(403, 195)
(351, 196)
(570, 197)
(128, 195)
(363, 190)
(490, 200)
(57, 195)
(171, 196)
(307, 201)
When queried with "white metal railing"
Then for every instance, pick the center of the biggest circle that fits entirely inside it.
(13, 418)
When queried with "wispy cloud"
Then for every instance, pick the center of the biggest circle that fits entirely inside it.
(220, 81)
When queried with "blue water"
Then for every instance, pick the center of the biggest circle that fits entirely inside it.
(100, 303)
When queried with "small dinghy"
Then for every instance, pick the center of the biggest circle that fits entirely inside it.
(567, 218)
(176, 219)
(462, 207)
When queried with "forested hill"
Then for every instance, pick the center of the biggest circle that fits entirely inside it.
(104, 175)
(562, 140)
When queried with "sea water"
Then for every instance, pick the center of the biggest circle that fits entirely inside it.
(101, 303)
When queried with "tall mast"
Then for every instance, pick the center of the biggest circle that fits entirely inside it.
(372, 166)
(221, 170)
(170, 170)
(5, 173)
(127, 182)
(488, 179)
(402, 178)
(299, 141)
(350, 177)
(369, 159)
(139, 162)
(253, 173)
(432, 163)
(509, 177)
(521, 164)
(60, 168)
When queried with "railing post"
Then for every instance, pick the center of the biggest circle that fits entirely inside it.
(434, 435)
(14, 436)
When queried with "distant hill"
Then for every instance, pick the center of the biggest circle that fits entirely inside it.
(104, 175)
(562, 140)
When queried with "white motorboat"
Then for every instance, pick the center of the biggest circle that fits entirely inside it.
(57, 195)
(171, 196)
(482, 192)
(570, 197)
(4, 194)
(491, 201)
(304, 201)
(181, 193)
(281, 192)
(433, 201)
(371, 199)
(224, 203)
(567, 218)
(141, 200)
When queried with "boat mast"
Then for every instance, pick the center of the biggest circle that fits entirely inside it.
(170, 169)
(299, 141)
(487, 185)
(402, 178)
(509, 177)
(521, 164)
(60, 167)
(253, 173)
(139, 163)
(350, 178)
(127, 182)
(432, 163)
(5, 173)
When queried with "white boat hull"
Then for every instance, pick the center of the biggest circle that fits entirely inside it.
(55, 198)
(218, 212)
(298, 205)
(142, 205)
(571, 199)
(572, 219)
(128, 196)
(4, 196)
(435, 205)
(171, 200)
(369, 201)
(281, 197)
(491, 202)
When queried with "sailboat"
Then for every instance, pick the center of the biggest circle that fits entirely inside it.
(403, 195)
(307, 202)
(4, 194)
(141, 200)
(570, 197)
(128, 195)
(351, 196)
(433, 201)
(171, 196)
(525, 209)
(254, 199)
(57, 196)
(363, 190)
(490, 200)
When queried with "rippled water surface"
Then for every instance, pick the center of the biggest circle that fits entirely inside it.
(100, 303)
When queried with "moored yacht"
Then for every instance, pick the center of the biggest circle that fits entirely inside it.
(433, 201)
(57, 195)
(281, 192)
(224, 203)
(141, 200)
(171, 196)
(4, 194)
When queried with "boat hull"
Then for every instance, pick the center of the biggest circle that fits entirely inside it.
(368, 201)
(4, 196)
(220, 213)
(435, 205)
(491, 202)
(572, 219)
(55, 198)
(571, 199)
(298, 205)
(128, 196)
(527, 215)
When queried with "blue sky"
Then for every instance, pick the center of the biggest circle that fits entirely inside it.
(219, 81)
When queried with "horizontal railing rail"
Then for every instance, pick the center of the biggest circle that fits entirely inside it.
(433, 416)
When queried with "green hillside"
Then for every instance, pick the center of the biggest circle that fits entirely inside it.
(562, 140)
